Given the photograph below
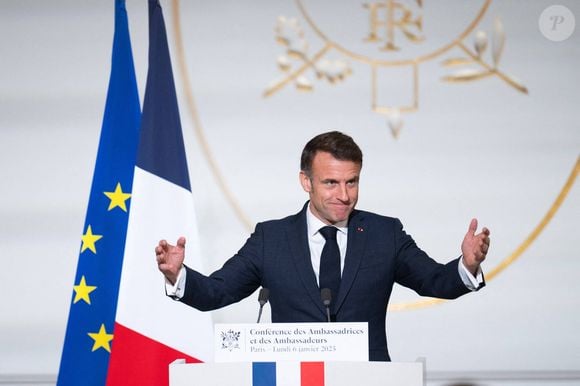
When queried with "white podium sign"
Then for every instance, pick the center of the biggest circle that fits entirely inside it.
(291, 342)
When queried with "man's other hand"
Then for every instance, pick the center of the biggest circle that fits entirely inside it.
(474, 247)
(170, 258)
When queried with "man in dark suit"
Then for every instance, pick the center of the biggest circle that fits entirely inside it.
(329, 244)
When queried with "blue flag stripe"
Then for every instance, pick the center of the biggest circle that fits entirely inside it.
(161, 148)
(85, 359)
(264, 374)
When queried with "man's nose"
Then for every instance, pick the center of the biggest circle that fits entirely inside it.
(343, 193)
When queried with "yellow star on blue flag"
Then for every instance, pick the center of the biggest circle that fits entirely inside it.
(89, 239)
(101, 339)
(118, 198)
(82, 291)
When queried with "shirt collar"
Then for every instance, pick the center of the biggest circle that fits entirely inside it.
(314, 224)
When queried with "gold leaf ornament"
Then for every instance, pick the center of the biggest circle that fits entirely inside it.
(467, 75)
(290, 34)
(498, 41)
(283, 63)
(332, 70)
(480, 42)
(395, 122)
(455, 62)
(303, 84)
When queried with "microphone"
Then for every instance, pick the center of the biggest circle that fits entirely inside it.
(263, 297)
(326, 297)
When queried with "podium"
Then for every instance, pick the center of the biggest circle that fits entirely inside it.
(294, 354)
(296, 374)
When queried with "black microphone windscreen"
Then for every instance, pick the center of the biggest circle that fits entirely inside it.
(326, 296)
(263, 296)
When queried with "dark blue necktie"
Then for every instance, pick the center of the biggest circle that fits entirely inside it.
(330, 261)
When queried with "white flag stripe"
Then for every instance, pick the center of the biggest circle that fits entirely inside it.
(287, 373)
(161, 210)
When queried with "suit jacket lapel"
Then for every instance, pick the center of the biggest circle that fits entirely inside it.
(355, 248)
(300, 251)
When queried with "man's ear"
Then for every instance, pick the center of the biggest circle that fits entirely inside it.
(305, 182)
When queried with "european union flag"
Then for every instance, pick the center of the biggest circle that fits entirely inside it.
(89, 334)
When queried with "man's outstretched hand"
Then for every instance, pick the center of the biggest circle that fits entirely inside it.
(170, 258)
(474, 247)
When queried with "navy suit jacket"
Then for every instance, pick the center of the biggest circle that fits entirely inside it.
(277, 256)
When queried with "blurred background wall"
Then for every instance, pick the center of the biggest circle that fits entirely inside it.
(472, 149)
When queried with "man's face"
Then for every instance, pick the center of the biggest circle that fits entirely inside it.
(333, 188)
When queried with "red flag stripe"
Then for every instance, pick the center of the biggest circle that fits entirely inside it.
(312, 373)
(139, 360)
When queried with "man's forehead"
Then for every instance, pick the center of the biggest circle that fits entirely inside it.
(333, 168)
(323, 157)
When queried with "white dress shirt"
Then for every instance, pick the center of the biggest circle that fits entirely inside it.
(316, 241)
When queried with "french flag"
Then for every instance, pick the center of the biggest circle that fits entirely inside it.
(288, 374)
(151, 330)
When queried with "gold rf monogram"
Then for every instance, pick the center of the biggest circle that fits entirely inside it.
(392, 15)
